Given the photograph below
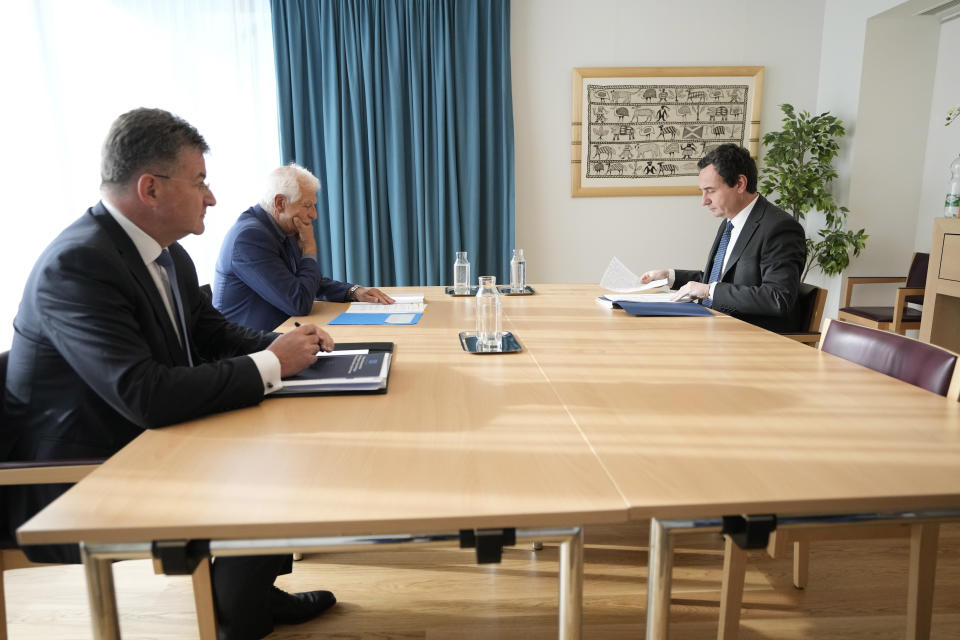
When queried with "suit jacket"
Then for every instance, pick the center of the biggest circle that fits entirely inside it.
(95, 359)
(761, 281)
(262, 277)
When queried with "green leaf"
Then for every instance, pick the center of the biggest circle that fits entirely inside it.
(796, 175)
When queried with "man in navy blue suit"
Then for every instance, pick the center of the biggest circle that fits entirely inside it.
(113, 337)
(267, 270)
(754, 266)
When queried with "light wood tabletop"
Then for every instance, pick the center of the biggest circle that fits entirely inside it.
(703, 417)
(666, 417)
(459, 441)
(601, 418)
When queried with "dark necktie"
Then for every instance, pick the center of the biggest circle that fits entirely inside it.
(718, 260)
(166, 261)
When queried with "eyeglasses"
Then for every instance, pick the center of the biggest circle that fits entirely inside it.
(202, 186)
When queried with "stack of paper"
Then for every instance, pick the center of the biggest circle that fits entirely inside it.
(608, 300)
(620, 279)
(406, 309)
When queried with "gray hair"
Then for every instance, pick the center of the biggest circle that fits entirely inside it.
(285, 181)
(142, 139)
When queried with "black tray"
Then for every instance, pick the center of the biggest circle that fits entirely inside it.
(449, 292)
(505, 290)
(468, 340)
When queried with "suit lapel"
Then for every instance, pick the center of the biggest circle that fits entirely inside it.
(131, 257)
(749, 228)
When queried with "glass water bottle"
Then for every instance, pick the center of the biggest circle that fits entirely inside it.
(518, 272)
(489, 337)
(461, 274)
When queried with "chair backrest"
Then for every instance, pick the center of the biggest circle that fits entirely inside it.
(810, 304)
(917, 276)
(921, 364)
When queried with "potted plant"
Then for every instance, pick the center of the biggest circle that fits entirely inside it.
(798, 166)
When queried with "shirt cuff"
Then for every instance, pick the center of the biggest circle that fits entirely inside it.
(310, 256)
(671, 277)
(268, 364)
(713, 286)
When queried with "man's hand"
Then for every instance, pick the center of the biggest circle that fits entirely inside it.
(372, 294)
(296, 350)
(305, 237)
(656, 274)
(691, 291)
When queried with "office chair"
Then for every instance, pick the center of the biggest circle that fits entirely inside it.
(812, 301)
(899, 317)
(14, 473)
(920, 364)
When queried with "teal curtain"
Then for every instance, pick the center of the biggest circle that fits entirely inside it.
(403, 109)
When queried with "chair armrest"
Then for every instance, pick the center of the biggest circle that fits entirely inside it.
(852, 281)
(901, 302)
(47, 471)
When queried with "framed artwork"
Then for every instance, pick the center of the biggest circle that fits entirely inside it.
(639, 131)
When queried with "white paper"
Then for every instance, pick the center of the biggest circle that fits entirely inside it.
(376, 307)
(407, 298)
(345, 352)
(639, 297)
(620, 279)
(400, 318)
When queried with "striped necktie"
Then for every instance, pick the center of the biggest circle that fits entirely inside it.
(166, 261)
(718, 260)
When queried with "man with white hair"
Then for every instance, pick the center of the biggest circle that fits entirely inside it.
(267, 270)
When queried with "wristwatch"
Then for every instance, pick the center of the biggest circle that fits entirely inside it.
(352, 292)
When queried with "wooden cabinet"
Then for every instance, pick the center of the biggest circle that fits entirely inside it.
(940, 324)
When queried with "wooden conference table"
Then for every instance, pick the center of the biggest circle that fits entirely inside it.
(601, 418)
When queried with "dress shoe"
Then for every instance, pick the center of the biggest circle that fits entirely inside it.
(295, 608)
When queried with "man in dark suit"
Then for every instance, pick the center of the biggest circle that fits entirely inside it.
(113, 337)
(267, 270)
(753, 269)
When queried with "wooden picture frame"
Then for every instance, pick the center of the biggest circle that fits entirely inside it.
(639, 131)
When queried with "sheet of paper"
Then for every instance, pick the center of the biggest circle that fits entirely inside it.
(407, 298)
(608, 300)
(642, 297)
(376, 307)
(345, 352)
(400, 318)
(620, 279)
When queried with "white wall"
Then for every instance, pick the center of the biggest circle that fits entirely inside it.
(943, 143)
(858, 66)
(572, 239)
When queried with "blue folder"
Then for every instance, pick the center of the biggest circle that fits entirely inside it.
(373, 318)
(662, 308)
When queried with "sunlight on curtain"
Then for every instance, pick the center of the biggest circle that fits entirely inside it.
(69, 68)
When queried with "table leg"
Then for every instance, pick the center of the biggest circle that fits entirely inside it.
(923, 571)
(102, 596)
(660, 567)
(571, 587)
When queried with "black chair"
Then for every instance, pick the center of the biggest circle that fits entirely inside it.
(812, 300)
(13, 473)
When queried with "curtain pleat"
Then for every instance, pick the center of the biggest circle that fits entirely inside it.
(403, 109)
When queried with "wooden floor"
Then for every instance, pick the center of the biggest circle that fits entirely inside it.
(857, 591)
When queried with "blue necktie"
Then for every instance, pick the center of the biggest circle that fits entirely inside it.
(718, 260)
(166, 261)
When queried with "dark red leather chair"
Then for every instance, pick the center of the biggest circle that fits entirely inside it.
(899, 317)
(914, 362)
